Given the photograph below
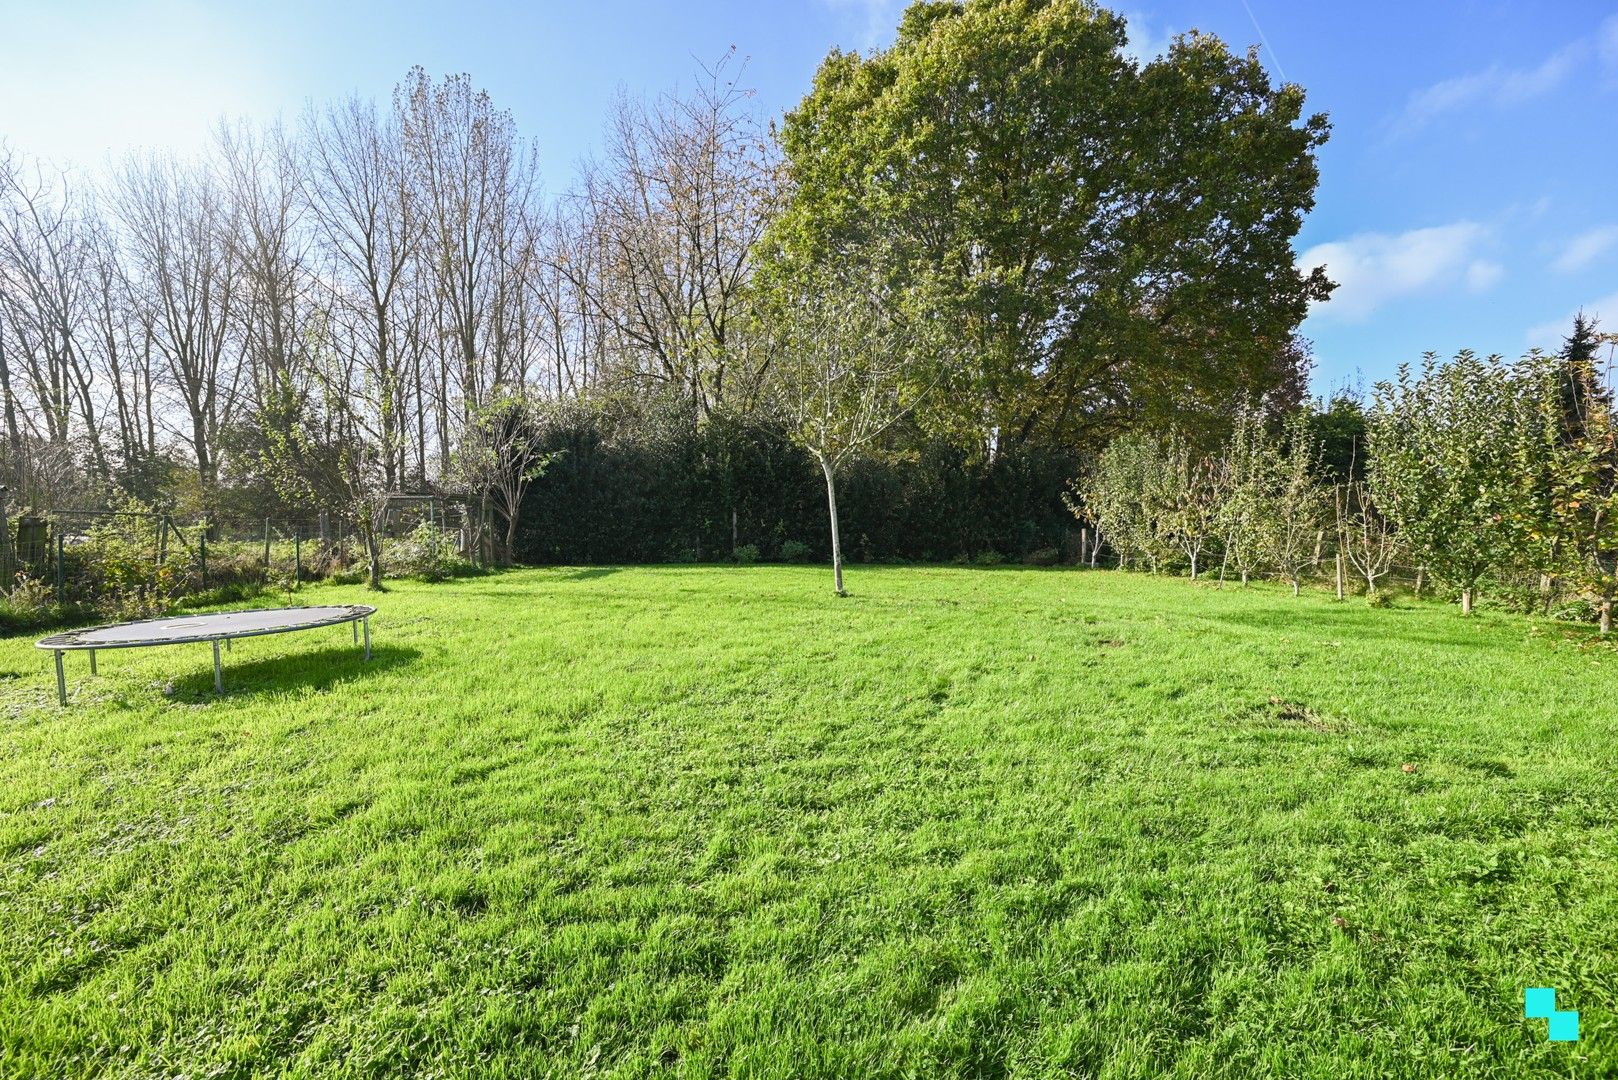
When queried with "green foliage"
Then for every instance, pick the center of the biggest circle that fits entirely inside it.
(1340, 429)
(118, 566)
(1072, 218)
(746, 555)
(1444, 463)
(794, 551)
(30, 604)
(1248, 494)
(428, 553)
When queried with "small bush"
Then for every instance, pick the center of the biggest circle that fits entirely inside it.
(1577, 611)
(428, 553)
(1045, 556)
(747, 554)
(30, 605)
(988, 558)
(794, 551)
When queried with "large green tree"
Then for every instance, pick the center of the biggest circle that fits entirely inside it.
(1111, 240)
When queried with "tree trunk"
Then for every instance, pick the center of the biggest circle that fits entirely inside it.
(1297, 587)
(1421, 577)
(373, 557)
(1194, 555)
(836, 538)
(1466, 600)
(1339, 575)
(1606, 615)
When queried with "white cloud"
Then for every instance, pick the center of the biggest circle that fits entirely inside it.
(1483, 274)
(1549, 335)
(1586, 248)
(878, 18)
(1607, 43)
(1496, 85)
(1144, 43)
(1372, 269)
(1500, 85)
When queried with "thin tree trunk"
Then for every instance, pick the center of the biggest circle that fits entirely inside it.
(373, 557)
(1339, 575)
(836, 539)
(1606, 615)
(1466, 600)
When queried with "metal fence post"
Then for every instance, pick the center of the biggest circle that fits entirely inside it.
(61, 580)
(8, 566)
(202, 553)
(297, 556)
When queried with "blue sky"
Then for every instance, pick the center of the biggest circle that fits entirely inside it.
(1467, 195)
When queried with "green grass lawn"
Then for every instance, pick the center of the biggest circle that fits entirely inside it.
(700, 821)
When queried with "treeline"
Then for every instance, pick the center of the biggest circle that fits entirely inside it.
(1476, 473)
(958, 262)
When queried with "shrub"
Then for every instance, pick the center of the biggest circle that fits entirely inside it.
(988, 558)
(794, 551)
(747, 554)
(29, 605)
(1045, 556)
(427, 553)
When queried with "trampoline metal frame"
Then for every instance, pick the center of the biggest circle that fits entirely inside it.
(357, 615)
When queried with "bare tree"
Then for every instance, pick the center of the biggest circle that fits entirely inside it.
(355, 184)
(45, 248)
(675, 211)
(471, 179)
(1364, 536)
(174, 221)
(267, 249)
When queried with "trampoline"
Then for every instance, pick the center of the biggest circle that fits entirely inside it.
(213, 627)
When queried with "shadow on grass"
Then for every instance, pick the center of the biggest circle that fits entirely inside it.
(319, 669)
(591, 572)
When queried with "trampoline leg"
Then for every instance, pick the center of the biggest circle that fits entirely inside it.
(367, 623)
(218, 674)
(356, 628)
(227, 644)
(92, 661)
(61, 680)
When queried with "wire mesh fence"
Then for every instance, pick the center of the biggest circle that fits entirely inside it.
(129, 563)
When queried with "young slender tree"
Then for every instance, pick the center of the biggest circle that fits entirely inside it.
(843, 364)
(1248, 479)
(1365, 537)
(1189, 501)
(501, 453)
(1299, 502)
(1444, 468)
(1578, 492)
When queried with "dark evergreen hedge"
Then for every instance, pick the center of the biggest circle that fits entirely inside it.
(625, 490)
